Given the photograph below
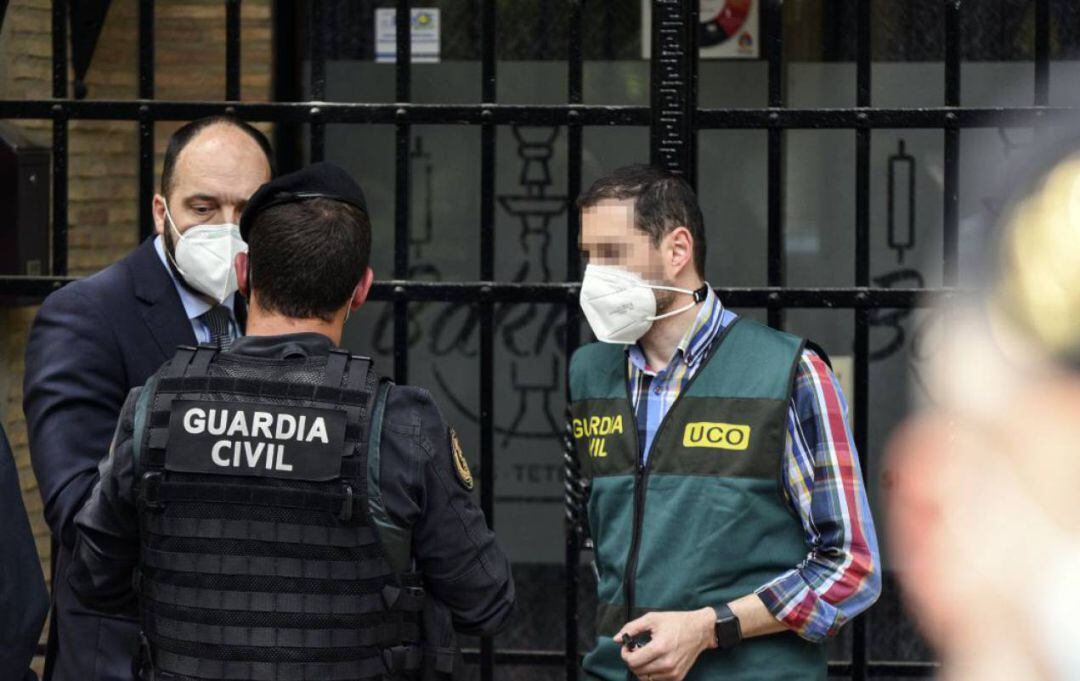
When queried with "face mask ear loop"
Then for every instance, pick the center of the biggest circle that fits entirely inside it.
(698, 297)
(672, 313)
(179, 237)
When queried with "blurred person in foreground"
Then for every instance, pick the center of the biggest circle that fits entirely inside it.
(984, 515)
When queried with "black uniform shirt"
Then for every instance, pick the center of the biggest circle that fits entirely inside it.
(463, 568)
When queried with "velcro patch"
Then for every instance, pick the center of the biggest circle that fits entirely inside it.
(258, 440)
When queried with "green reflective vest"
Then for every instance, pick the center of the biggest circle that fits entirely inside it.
(704, 521)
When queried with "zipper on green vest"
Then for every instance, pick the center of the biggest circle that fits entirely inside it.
(639, 502)
(641, 471)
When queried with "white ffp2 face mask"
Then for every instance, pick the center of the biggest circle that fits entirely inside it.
(205, 255)
(620, 305)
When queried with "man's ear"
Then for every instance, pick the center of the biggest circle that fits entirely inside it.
(158, 209)
(913, 494)
(360, 293)
(243, 283)
(680, 249)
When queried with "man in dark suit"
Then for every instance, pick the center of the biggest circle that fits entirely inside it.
(23, 599)
(97, 338)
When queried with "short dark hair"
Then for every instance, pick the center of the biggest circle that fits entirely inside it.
(662, 202)
(305, 258)
(187, 132)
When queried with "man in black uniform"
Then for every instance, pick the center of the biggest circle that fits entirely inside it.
(278, 511)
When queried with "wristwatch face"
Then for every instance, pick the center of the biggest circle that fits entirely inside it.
(728, 633)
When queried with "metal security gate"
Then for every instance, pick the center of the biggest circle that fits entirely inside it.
(675, 121)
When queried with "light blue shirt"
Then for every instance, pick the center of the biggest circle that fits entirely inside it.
(193, 305)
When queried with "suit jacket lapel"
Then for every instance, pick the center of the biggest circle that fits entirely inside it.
(161, 308)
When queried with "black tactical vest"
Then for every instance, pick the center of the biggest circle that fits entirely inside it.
(260, 559)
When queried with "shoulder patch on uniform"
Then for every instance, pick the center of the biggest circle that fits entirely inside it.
(461, 466)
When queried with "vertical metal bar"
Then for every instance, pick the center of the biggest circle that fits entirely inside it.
(403, 72)
(488, 94)
(1042, 52)
(952, 140)
(232, 50)
(673, 87)
(146, 123)
(862, 200)
(775, 165)
(859, 637)
(317, 37)
(59, 139)
(575, 95)
(287, 79)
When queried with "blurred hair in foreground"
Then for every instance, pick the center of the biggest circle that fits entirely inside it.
(984, 518)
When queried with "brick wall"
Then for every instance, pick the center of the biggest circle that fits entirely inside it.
(103, 190)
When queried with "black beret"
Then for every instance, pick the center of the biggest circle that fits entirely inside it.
(317, 181)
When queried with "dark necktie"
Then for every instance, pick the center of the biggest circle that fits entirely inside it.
(218, 320)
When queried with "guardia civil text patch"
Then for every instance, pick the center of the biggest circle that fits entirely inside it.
(259, 440)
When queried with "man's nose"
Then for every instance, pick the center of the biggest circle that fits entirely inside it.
(231, 214)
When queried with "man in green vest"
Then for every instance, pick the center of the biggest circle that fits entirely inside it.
(731, 527)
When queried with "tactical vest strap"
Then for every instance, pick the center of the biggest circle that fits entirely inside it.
(324, 620)
(360, 378)
(179, 363)
(263, 601)
(317, 644)
(161, 491)
(335, 367)
(262, 566)
(395, 539)
(285, 533)
(261, 583)
(203, 355)
(249, 387)
(142, 415)
(194, 668)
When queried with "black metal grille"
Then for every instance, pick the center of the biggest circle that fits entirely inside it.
(675, 120)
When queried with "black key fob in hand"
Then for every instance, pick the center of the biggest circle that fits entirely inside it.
(632, 643)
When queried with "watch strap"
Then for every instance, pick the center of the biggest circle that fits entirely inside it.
(728, 628)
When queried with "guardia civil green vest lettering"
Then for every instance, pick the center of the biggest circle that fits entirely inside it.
(703, 521)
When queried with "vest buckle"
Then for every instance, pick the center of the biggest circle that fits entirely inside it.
(404, 598)
(403, 660)
(346, 512)
(142, 664)
(150, 490)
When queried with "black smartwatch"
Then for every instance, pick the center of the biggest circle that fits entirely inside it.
(728, 629)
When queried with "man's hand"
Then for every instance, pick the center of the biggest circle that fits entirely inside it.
(678, 638)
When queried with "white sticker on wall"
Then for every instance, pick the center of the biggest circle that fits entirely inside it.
(425, 35)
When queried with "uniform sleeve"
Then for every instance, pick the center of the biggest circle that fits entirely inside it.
(107, 528)
(841, 575)
(73, 389)
(463, 567)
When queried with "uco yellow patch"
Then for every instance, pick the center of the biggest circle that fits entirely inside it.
(731, 436)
